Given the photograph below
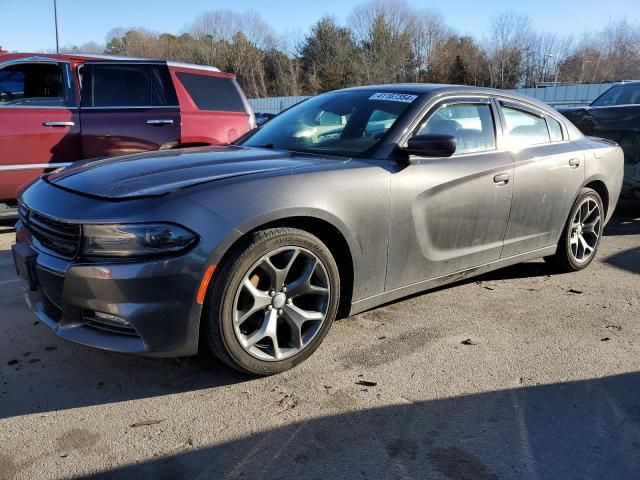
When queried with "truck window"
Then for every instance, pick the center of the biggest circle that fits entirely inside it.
(34, 84)
(212, 93)
(127, 85)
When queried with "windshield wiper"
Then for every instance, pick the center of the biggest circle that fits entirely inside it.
(266, 145)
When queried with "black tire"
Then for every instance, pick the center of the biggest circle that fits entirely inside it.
(217, 318)
(564, 259)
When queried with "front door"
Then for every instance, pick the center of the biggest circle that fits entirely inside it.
(127, 107)
(450, 214)
(39, 127)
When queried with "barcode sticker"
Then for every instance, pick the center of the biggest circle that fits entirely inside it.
(393, 97)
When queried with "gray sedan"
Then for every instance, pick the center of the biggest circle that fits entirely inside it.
(344, 202)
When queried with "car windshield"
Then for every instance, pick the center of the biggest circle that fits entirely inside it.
(619, 95)
(347, 123)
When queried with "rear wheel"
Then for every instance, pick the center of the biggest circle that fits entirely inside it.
(272, 302)
(581, 235)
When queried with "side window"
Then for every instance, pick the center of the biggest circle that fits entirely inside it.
(555, 130)
(212, 93)
(34, 84)
(116, 85)
(162, 91)
(470, 123)
(524, 128)
(379, 122)
(329, 119)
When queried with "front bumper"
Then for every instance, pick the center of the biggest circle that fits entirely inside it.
(155, 298)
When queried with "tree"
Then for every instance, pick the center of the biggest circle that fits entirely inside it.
(328, 57)
(383, 34)
(511, 39)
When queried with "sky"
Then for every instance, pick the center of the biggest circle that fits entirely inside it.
(28, 25)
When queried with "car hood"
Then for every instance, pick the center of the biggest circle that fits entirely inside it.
(161, 172)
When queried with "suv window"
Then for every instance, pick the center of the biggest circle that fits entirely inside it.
(524, 128)
(212, 93)
(34, 84)
(470, 123)
(127, 85)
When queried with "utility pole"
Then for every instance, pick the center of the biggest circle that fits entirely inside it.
(55, 16)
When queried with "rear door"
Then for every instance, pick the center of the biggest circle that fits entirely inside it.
(39, 126)
(127, 107)
(549, 172)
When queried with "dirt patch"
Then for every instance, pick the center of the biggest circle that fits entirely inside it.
(76, 439)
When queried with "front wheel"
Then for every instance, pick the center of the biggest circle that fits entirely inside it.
(581, 235)
(272, 302)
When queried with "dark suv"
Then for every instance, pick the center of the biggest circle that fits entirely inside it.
(56, 109)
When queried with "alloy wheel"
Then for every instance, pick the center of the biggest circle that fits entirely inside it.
(281, 303)
(585, 230)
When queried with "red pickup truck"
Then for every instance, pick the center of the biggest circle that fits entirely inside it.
(56, 109)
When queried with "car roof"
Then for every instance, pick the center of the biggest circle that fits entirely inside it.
(91, 57)
(439, 89)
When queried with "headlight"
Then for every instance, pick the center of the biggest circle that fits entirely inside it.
(135, 239)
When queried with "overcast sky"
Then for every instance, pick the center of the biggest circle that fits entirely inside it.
(27, 25)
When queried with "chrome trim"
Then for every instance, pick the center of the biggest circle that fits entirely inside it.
(58, 124)
(98, 56)
(127, 61)
(33, 59)
(193, 65)
(160, 122)
(33, 166)
(129, 107)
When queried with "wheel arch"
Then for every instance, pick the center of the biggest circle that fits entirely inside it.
(327, 231)
(601, 189)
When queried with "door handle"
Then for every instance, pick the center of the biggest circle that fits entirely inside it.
(574, 162)
(501, 178)
(160, 122)
(58, 124)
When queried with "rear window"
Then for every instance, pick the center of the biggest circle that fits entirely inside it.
(212, 93)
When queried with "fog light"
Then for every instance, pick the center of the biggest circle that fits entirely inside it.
(109, 318)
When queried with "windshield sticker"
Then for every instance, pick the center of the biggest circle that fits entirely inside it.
(393, 97)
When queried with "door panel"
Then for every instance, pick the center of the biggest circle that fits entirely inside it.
(109, 132)
(447, 215)
(546, 183)
(25, 140)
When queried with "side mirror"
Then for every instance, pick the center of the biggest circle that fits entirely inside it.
(431, 145)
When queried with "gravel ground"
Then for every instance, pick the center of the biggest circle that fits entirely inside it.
(520, 374)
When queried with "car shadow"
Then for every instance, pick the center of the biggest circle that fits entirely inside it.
(626, 260)
(625, 220)
(98, 377)
(575, 430)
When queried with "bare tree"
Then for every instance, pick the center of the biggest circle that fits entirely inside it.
(510, 41)
(383, 33)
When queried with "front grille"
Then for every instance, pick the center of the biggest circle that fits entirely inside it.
(60, 237)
